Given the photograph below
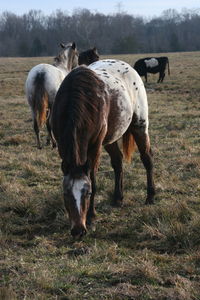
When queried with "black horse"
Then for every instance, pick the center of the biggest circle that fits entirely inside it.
(152, 65)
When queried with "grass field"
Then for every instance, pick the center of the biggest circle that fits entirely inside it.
(134, 252)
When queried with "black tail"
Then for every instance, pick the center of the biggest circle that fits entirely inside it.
(168, 67)
(40, 99)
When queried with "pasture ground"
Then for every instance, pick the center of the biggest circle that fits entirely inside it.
(135, 252)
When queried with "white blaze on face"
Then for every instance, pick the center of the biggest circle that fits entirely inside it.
(76, 190)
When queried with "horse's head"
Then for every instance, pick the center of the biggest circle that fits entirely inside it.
(88, 57)
(77, 192)
(68, 57)
(79, 126)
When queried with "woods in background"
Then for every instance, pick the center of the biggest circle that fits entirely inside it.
(35, 34)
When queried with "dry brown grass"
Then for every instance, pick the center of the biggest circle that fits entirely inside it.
(135, 252)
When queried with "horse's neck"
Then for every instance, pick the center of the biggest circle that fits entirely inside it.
(65, 70)
(63, 66)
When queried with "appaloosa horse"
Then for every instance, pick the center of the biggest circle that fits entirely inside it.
(97, 106)
(42, 84)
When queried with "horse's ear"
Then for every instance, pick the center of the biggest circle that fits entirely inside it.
(73, 45)
(95, 50)
(62, 45)
(56, 59)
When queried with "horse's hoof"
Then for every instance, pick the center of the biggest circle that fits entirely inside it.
(90, 219)
(149, 202)
(93, 227)
(118, 203)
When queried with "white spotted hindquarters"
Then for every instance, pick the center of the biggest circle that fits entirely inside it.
(141, 104)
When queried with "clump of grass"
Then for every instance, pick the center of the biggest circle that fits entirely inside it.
(167, 227)
(146, 271)
(2, 182)
(30, 171)
(24, 208)
(165, 212)
(7, 293)
(15, 140)
(183, 288)
(177, 237)
(2, 134)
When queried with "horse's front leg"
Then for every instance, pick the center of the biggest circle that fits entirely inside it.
(91, 214)
(116, 162)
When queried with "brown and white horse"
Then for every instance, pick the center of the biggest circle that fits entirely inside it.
(95, 107)
(42, 84)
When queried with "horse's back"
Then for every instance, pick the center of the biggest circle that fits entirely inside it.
(117, 68)
(121, 76)
(127, 93)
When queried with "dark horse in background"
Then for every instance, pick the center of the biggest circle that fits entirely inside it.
(87, 57)
(152, 65)
(95, 107)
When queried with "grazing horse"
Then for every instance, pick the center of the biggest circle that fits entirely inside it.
(94, 107)
(87, 57)
(42, 84)
(152, 65)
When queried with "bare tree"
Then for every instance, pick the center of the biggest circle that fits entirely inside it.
(34, 34)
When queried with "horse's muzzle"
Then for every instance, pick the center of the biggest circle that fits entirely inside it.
(78, 231)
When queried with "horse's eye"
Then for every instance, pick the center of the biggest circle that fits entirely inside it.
(86, 192)
(89, 193)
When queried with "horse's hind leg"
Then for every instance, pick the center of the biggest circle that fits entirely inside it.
(161, 76)
(48, 130)
(37, 132)
(50, 135)
(116, 162)
(143, 143)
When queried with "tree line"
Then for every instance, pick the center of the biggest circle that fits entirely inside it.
(36, 34)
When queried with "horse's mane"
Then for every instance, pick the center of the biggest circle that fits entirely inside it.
(77, 108)
(60, 58)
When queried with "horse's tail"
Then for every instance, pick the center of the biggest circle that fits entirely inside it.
(128, 143)
(168, 66)
(40, 99)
